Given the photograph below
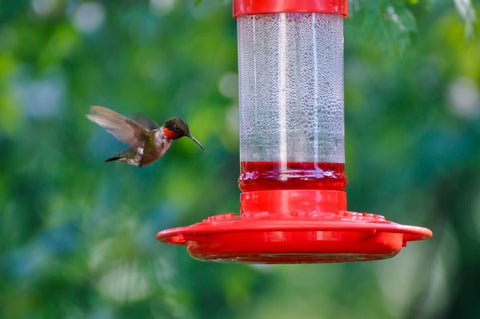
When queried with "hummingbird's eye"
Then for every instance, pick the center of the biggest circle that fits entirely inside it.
(176, 128)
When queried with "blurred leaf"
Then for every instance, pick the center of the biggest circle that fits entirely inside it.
(468, 14)
(390, 23)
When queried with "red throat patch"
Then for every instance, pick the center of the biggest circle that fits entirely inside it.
(171, 135)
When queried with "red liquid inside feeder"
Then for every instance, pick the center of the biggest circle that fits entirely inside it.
(255, 176)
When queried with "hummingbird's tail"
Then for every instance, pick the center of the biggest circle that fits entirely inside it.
(122, 156)
(113, 158)
(126, 157)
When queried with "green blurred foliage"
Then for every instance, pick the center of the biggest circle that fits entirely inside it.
(78, 235)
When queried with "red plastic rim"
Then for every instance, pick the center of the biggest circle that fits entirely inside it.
(343, 238)
(244, 7)
(304, 227)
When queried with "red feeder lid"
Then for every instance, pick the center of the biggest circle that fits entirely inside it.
(244, 7)
(294, 226)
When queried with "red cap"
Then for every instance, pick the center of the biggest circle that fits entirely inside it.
(244, 7)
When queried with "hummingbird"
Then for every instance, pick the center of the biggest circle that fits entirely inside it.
(148, 141)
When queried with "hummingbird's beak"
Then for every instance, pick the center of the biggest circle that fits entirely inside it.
(196, 141)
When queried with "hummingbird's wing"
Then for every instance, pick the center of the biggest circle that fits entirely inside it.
(145, 121)
(125, 129)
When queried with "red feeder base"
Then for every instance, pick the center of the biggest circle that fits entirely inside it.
(294, 226)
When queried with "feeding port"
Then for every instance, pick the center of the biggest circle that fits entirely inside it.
(293, 207)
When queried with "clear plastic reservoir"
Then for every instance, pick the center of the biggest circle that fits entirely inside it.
(291, 101)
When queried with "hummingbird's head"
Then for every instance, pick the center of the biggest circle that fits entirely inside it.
(175, 128)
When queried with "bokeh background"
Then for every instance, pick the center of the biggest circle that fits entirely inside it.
(78, 235)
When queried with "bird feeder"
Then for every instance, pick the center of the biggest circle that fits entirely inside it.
(293, 207)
